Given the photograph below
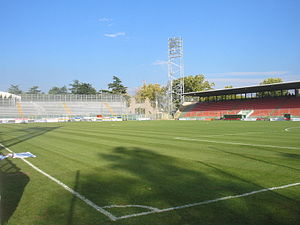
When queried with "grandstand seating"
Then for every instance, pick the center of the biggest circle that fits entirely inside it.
(54, 108)
(260, 106)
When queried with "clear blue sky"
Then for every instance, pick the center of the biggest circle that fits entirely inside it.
(51, 43)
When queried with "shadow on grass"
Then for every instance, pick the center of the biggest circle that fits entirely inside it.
(12, 180)
(27, 133)
(139, 176)
(12, 185)
(290, 155)
(221, 171)
(261, 160)
(142, 176)
(73, 200)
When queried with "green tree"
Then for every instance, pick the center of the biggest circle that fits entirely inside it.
(149, 91)
(14, 89)
(117, 87)
(87, 89)
(82, 88)
(271, 80)
(75, 87)
(58, 90)
(34, 90)
(104, 91)
(195, 83)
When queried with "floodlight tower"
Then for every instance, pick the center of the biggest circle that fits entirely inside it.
(175, 72)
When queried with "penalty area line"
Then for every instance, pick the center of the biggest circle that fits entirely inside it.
(208, 201)
(235, 143)
(289, 128)
(75, 193)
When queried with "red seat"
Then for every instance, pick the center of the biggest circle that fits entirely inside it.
(262, 107)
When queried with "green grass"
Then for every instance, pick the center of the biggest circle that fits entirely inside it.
(141, 163)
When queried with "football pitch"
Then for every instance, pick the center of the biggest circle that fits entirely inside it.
(151, 173)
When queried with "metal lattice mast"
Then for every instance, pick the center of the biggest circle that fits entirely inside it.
(175, 72)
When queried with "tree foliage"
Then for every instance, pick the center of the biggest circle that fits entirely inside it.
(34, 90)
(58, 90)
(192, 83)
(78, 87)
(104, 91)
(149, 91)
(14, 89)
(271, 93)
(271, 81)
(195, 83)
(116, 87)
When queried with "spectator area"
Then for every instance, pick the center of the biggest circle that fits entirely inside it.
(41, 106)
(255, 107)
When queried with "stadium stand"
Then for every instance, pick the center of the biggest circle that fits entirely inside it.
(245, 102)
(38, 106)
(272, 100)
(260, 107)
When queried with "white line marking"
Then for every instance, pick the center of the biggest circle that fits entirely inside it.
(235, 143)
(153, 210)
(128, 206)
(81, 197)
(287, 129)
(209, 201)
(244, 133)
